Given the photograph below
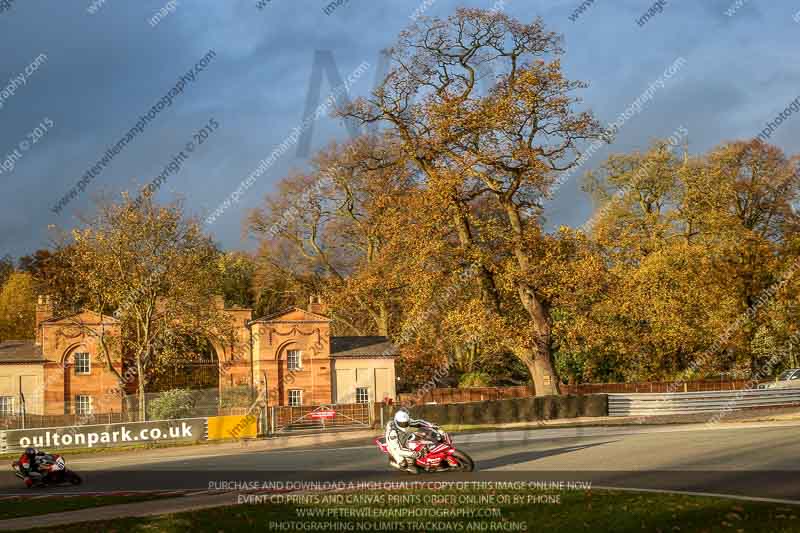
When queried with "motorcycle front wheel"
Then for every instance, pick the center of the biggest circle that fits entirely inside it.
(73, 478)
(465, 462)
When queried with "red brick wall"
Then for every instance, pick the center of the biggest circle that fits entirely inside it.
(295, 331)
(234, 361)
(60, 340)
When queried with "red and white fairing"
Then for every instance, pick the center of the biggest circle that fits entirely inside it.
(441, 453)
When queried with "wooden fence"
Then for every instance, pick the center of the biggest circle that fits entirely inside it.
(704, 385)
(472, 394)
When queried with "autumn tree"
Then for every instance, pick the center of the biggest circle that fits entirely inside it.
(508, 145)
(650, 318)
(236, 272)
(154, 270)
(691, 245)
(37, 263)
(327, 229)
(748, 192)
(17, 306)
(6, 268)
(52, 271)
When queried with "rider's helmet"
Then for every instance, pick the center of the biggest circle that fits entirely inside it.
(401, 419)
(30, 452)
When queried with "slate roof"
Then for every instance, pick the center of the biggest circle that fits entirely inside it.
(24, 351)
(362, 347)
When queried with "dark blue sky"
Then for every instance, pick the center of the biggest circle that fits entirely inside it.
(104, 70)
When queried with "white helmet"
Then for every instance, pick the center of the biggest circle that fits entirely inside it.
(401, 419)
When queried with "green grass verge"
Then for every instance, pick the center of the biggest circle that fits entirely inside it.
(567, 511)
(18, 507)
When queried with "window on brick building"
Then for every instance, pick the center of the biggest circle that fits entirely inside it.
(294, 359)
(82, 363)
(6, 405)
(362, 395)
(83, 405)
(295, 397)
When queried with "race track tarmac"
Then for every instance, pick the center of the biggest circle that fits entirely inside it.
(760, 460)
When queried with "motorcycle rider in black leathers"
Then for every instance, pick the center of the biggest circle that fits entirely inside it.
(29, 465)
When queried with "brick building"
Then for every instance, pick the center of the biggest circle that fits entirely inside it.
(290, 356)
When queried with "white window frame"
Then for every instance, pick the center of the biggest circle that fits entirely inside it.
(7, 406)
(359, 389)
(78, 409)
(299, 398)
(298, 361)
(88, 363)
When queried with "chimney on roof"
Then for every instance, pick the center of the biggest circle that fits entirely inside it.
(316, 306)
(44, 311)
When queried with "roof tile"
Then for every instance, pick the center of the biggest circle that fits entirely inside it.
(20, 351)
(362, 347)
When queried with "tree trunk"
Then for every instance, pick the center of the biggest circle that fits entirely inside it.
(140, 390)
(489, 294)
(541, 365)
(540, 360)
(465, 357)
(383, 320)
(545, 379)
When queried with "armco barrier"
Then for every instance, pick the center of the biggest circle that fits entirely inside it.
(106, 435)
(512, 410)
(645, 404)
